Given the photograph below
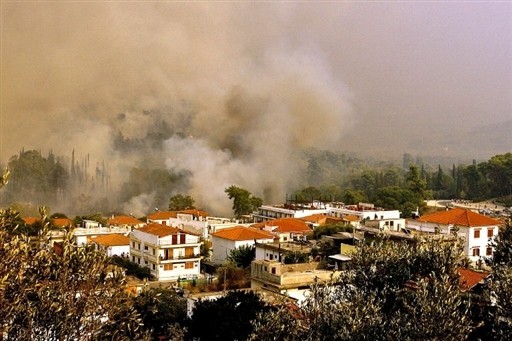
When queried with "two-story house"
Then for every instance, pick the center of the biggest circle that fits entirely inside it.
(168, 252)
(476, 229)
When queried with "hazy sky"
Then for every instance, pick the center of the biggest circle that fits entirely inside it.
(262, 79)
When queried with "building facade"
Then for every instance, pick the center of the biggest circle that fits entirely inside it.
(477, 230)
(168, 252)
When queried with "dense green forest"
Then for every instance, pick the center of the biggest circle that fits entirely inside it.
(79, 186)
(406, 186)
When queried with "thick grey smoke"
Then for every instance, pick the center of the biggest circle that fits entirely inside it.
(240, 101)
(248, 85)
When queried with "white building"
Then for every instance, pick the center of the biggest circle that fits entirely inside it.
(91, 229)
(112, 244)
(192, 220)
(386, 224)
(226, 240)
(267, 212)
(476, 229)
(168, 252)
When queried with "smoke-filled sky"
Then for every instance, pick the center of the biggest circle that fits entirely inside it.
(251, 84)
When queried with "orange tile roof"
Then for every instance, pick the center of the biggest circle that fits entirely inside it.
(315, 218)
(195, 212)
(285, 225)
(124, 220)
(62, 222)
(30, 220)
(162, 215)
(459, 216)
(239, 233)
(160, 230)
(111, 240)
(469, 278)
(351, 217)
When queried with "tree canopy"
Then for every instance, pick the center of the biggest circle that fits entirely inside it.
(181, 202)
(393, 291)
(227, 318)
(242, 256)
(68, 295)
(243, 201)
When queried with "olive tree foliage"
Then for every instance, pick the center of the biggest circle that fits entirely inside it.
(394, 291)
(500, 290)
(74, 294)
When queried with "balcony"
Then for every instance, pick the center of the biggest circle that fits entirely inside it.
(177, 258)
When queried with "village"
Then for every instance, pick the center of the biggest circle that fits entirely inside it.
(185, 248)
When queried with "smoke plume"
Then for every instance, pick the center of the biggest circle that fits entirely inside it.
(214, 91)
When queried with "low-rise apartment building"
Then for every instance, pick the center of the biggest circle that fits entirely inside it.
(168, 252)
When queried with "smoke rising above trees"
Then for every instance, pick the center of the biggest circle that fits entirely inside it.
(160, 85)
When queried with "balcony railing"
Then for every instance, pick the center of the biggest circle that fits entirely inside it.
(162, 258)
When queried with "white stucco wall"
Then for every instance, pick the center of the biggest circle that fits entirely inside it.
(221, 247)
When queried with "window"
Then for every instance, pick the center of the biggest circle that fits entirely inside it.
(133, 244)
(133, 259)
(490, 232)
(488, 251)
(476, 233)
(168, 267)
(271, 257)
(274, 271)
(476, 252)
(189, 265)
(182, 238)
(145, 248)
(153, 266)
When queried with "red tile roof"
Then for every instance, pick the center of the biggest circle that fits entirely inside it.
(124, 220)
(469, 278)
(62, 222)
(239, 233)
(285, 225)
(459, 216)
(159, 230)
(195, 212)
(315, 218)
(351, 217)
(162, 215)
(30, 220)
(111, 240)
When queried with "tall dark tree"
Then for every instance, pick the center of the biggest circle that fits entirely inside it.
(243, 201)
(415, 183)
(227, 318)
(180, 202)
(162, 311)
(242, 256)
